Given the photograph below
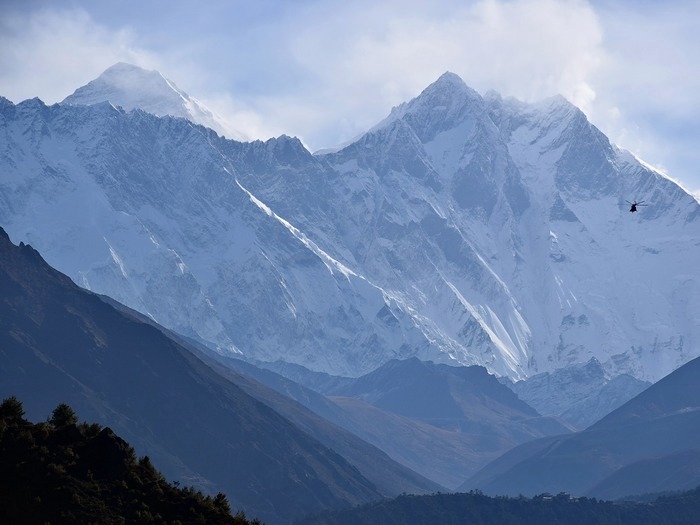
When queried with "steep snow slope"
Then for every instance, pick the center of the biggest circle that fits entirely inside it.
(508, 221)
(148, 211)
(621, 285)
(462, 229)
(502, 226)
(132, 87)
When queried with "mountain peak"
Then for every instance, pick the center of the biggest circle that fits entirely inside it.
(448, 91)
(450, 80)
(132, 87)
(443, 105)
(124, 67)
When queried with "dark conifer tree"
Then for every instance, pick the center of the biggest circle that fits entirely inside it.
(62, 416)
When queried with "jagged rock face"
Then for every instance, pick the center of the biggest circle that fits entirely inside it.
(462, 229)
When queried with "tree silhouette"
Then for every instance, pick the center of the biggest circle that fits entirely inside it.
(62, 416)
(60, 472)
(11, 409)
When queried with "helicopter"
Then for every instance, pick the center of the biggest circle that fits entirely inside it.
(633, 205)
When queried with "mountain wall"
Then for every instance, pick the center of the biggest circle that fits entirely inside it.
(463, 229)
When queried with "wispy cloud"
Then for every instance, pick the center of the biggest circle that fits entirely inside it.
(649, 87)
(49, 53)
(326, 71)
(366, 59)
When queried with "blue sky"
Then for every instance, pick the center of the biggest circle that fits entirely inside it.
(327, 70)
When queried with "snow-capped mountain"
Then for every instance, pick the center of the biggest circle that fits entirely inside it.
(132, 87)
(580, 394)
(148, 211)
(461, 229)
(504, 228)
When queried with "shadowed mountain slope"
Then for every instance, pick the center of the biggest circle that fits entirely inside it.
(310, 411)
(630, 447)
(60, 343)
(442, 421)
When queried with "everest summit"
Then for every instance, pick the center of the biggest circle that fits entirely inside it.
(463, 229)
(132, 87)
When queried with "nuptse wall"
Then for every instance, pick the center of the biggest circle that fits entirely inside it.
(461, 229)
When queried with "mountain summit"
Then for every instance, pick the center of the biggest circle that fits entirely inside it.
(132, 87)
(441, 106)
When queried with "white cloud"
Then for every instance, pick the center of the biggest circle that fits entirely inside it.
(50, 53)
(366, 57)
(649, 86)
(244, 123)
(326, 71)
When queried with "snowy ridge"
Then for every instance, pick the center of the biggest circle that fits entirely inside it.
(330, 263)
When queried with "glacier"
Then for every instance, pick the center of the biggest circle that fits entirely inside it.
(462, 229)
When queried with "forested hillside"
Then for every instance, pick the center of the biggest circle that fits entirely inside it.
(64, 472)
(476, 508)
